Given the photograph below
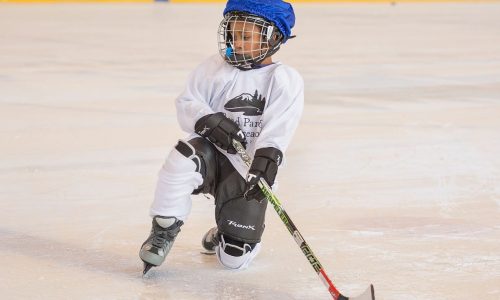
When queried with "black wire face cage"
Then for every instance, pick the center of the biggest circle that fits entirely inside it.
(245, 40)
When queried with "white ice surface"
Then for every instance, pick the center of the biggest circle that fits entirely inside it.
(393, 176)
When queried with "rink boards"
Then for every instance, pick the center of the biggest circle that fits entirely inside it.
(223, 1)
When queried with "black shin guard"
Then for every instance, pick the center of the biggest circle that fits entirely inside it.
(236, 217)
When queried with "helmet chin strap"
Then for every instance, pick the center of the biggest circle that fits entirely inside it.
(251, 62)
(243, 57)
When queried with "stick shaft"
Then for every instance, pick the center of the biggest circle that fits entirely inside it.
(297, 236)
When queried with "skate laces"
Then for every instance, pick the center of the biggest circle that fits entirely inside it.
(162, 236)
(158, 239)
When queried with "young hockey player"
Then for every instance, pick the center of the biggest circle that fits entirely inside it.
(240, 94)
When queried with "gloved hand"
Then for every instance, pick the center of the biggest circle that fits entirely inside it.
(220, 130)
(264, 165)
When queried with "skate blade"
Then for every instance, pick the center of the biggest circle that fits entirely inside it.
(208, 252)
(147, 267)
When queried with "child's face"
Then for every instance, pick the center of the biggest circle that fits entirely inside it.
(247, 39)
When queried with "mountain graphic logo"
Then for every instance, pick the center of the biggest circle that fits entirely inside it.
(248, 104)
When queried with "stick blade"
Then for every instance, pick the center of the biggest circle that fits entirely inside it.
(369, 294)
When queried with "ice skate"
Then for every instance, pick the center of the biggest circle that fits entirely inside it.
(210, 241)
(156, 247)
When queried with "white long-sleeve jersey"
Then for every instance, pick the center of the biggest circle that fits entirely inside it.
(266, 103)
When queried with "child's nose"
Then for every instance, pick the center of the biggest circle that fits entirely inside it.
(238, 44)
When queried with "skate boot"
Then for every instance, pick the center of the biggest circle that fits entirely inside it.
(234, 254)
(160, 241)
(210, 241)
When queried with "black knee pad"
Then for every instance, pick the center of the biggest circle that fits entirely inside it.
(236, 217)
(203, 154)
(242, 220)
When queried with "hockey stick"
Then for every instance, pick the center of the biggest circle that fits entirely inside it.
(369, 294)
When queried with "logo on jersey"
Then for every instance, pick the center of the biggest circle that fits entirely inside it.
(248, 104)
